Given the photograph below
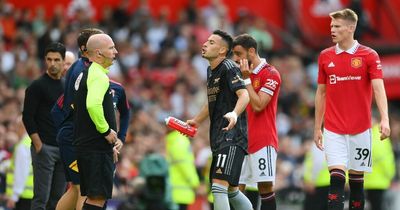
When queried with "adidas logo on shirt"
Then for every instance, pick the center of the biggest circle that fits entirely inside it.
(262, 174)
(331, 64)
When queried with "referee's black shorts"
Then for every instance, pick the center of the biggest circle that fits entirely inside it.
(96, 170)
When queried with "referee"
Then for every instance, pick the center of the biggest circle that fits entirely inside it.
(95, 124)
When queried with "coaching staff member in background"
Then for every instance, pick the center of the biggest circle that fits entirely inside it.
(40, 96)
(95, 124)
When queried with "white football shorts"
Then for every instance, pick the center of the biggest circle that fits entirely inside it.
(351, 151)
(259, 167)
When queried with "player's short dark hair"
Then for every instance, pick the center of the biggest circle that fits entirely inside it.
(227, 38)
(345, 14)
(246, 41)
(56, 47)
(84, 36)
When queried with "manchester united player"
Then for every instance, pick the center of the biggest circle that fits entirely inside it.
(348, 75)
(263, 83)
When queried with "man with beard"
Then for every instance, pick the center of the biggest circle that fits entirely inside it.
(227, 99)
(40, 97)
(263, 82)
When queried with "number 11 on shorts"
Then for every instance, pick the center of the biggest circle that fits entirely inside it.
(221, 160)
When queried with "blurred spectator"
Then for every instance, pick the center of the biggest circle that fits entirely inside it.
(259, 31)
(324, 7)
(216, 14)
(80, 7)
(69, 60)
(39, 24)
(7, 59)
(364, 25)
(8, 22)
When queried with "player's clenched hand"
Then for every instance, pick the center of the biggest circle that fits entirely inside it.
(318, 139)
(111, 137)
(245, 68)
(384, 129)
(192, 122)
(232, 118)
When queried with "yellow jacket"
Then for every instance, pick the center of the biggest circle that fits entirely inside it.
(315, 168)
(20, 169)
(182, 171)
(383, 163)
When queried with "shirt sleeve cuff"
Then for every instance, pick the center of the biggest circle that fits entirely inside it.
(107, 132)
(15, 198)
(121, 137)
(247, 81)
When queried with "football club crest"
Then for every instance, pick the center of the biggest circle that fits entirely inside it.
(256, 83)
(356, 62)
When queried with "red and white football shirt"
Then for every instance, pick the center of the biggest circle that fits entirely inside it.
(347, 75)
(262, 125)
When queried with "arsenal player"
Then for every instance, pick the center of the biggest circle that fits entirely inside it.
(263, 83)
(227, 100)
(348, 75)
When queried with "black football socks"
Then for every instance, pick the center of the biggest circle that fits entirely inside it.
(336, 190)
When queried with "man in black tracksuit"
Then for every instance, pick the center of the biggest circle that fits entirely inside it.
(40, 97)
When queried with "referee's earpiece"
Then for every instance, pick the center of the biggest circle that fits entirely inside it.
(101, 54)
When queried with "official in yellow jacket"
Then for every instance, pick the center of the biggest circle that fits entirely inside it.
(19, 178)
(182, 171)
(383, 170)
(316, 180)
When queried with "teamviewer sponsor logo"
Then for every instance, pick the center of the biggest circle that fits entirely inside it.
(333, 79)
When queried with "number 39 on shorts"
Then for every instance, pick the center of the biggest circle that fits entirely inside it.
(362, 153)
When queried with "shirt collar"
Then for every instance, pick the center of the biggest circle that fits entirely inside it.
(260, 66)
(352, 49)
(98, 66)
